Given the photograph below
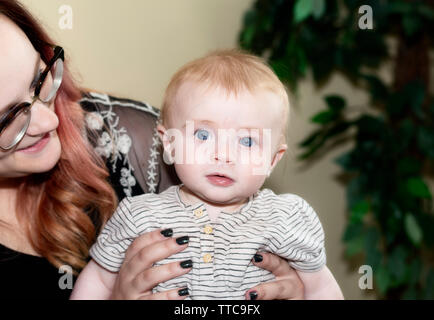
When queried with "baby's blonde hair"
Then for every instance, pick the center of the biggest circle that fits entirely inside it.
(231, 70)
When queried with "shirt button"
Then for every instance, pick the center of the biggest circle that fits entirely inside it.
(207, 258)
(208, 229)
(198, 212)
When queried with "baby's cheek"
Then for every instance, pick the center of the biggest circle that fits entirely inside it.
(252, 183)
(257, 160)
(187, 173)
(203, 153)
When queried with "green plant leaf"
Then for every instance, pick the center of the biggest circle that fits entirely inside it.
(408, 166)
(334, 130)
(411, 24)
(359, 210)
(382, 278)
(370, 125)
(415, 94)
(426, 11)
(397, 265)
(345, 161)
(354, 239)
(400, 7)
(311, 138)
(425, 140)
(417, 187)
(373, 254)
(354, 246)
(302, 10)
(391, 146)
(281, 69)
(247, 36)
(318, 8)
(323, 117)
(335, 103)
(411, 293)
(355, 190)
(377, 89)
(429, 285)
(426, 222)
(312, 149)
(302, 61)
(413, 230)
(414, 271)
(338, 128)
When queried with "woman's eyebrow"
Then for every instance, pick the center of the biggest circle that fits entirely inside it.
(3, 110)
(15, 101)
(35, 70)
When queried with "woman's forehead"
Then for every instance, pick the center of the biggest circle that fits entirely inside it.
(12, 35)
(17, 61)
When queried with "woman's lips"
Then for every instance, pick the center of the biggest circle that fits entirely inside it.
(38, 146)
(219, 180)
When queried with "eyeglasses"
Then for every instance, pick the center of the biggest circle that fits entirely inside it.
(14, 123)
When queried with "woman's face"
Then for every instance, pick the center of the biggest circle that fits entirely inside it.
(39, 150)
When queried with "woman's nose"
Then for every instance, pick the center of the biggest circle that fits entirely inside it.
(43, 119)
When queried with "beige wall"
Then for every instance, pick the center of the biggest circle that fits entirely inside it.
(131, 49)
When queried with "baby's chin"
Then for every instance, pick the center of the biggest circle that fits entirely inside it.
(215, 199)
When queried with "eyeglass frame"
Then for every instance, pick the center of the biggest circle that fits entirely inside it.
(11, 114)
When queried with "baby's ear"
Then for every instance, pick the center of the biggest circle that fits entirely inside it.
(165, 140)
(278, 156)
(162, 134)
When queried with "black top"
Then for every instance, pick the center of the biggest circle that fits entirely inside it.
(127, 140)
(23, 276)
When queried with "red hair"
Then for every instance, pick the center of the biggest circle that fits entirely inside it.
(63, 209)
(231, 70)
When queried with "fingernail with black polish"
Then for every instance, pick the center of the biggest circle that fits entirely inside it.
(167, 233)
(258, 257)
(253, 295)
(186, 264)
(183, 292)
(182, 240)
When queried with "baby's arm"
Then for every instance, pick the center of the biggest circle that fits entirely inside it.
(320, 285)
(94, 283)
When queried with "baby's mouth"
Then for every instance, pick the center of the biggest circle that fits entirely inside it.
(219, 179)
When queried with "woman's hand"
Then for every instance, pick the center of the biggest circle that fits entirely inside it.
(138, 276)
(286, 286)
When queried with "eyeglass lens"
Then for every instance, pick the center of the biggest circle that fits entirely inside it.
(14, 131)
(52, 82)
(17, 127)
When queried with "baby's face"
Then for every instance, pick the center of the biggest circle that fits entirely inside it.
(224, 146)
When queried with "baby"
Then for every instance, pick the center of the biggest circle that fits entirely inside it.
(223, 125)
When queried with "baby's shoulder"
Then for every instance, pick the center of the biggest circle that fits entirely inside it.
(287, 205)
(152, 201)
(285, 201)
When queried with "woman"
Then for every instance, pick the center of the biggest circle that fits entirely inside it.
(54, 192)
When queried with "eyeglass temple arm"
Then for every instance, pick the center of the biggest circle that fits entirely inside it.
(58, 53)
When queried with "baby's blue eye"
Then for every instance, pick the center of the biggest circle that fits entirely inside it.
(202, 134)
(246, 141)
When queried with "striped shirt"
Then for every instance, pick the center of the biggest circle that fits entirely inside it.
(221, 251)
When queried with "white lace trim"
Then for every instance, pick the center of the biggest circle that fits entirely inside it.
(104, 99)
(153, 163)
(117, 144)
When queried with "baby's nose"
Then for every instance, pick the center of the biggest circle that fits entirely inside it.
(225, 152)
